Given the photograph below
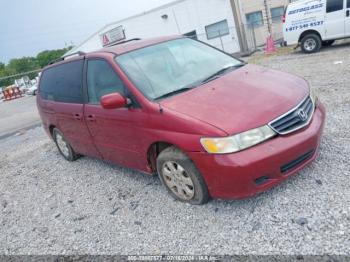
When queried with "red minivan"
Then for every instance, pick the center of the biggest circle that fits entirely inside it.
(209, 124)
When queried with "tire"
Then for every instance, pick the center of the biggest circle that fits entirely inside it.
(181, 178)
(63, 146)
(311, 43)
(328, 43)
(34, 93)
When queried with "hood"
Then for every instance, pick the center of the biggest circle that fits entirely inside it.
(243, 99)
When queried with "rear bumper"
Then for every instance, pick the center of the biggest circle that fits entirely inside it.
(259, 168)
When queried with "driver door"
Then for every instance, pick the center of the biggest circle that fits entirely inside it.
(112, 130)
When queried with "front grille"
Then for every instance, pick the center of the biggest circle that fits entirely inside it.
(295, 119)
(296, 162)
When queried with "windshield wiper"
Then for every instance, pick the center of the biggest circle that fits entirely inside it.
(175, 92)
(220, 72)
(208, 79)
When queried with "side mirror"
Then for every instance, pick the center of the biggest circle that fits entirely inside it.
(113, 101)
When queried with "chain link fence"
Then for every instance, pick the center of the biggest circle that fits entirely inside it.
(257, 32)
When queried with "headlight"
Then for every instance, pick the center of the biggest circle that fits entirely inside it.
(237, 142)
(313, 95)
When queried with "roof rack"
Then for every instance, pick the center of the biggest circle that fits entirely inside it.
(79, 53)
(125, 41)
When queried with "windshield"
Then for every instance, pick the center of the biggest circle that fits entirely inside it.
(173, 66)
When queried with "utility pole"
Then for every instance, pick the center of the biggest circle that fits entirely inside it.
(239, 26)
(267, 17)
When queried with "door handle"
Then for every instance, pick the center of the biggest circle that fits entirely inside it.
(77, 116)
(91, 118)
(347, 13)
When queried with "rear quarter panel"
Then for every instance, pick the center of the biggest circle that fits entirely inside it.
(47, 113)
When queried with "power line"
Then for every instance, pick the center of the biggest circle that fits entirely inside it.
(20, 74)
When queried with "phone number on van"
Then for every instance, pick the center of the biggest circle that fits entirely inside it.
(303, 26)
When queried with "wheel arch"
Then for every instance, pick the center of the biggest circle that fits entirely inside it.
(309, 32)
(154, 150)
(51, 128)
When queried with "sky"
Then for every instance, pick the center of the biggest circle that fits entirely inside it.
(28, 27)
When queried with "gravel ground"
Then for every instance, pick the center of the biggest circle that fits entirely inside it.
(50, 206)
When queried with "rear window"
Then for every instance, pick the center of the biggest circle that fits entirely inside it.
(63, 83)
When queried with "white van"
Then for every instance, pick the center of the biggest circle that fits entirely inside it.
(316, 23)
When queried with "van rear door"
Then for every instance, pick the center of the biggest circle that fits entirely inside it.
(347, 19)
(334, 19)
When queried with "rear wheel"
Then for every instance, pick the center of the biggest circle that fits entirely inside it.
(181, 178)
(328, 43)
(63, 146)
(311, 43)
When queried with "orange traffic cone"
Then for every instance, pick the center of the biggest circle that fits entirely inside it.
(270, 45)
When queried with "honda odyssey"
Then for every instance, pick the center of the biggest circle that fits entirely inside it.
(209, 124)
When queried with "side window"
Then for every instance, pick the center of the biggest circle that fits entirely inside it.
(348, 4)
(218, 29)
(255, 19)
(276, 14)
(63, 83)
(102, 80)
(334, 5)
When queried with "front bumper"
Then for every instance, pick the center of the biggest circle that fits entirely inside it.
(261, 167)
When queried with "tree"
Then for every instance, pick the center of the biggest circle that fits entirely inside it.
(21, 65)
(26, 64)
(45, 57)
(3, 73)
(6, 72)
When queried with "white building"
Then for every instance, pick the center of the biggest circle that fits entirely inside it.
(211, 21)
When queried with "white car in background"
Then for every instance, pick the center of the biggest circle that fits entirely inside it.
(32, 90)
(316, 23)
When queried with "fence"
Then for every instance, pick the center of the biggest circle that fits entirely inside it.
(257, 32)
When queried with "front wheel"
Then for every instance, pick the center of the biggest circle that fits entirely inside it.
(311, 43)
(181, 178)
(63, 146)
